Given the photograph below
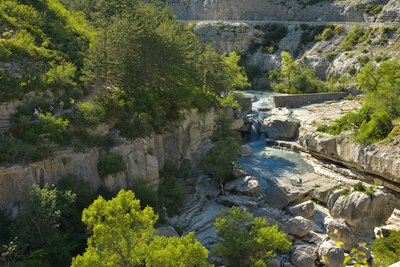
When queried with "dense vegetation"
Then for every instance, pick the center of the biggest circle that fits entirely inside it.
(373, 122)
(123, 234)
(248, 241)
(144, 66)
(387, 249)
(42, 48)
(139, 68)
(226, 149)
(295, 78)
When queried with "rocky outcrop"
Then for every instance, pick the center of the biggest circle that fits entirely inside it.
(298, 226)
(247, 185)
(377, 159)
(272, 10)
(331, 254)
(338, 230)
(304, 256)
(363, 212)
(188, 139)
(280, 128)
(305, 209)
(390, 12)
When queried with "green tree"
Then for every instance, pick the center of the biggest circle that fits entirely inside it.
(226, 149)
(43, 230)
(382, 86)
(295, 78)
(122, 234)
(248, 241)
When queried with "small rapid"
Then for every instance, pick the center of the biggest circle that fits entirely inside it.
(268, 162)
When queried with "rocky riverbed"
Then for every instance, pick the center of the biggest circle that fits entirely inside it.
(313, 201)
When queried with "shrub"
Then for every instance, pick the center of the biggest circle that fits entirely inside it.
(352, 37)
(61, 76)
(373, 10)
(145, 191)
(110, 163)
(386, 250)
(172, 193)
(345, 192)
(54, 126)
(374, 130)
(91, 113)
(359, 187)
(252, 71)
(246, 240)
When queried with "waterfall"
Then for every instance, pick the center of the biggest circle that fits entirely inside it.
(255, 130)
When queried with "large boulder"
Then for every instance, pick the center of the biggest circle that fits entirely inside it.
(281, 128)
(339, 231)
(248, 185)
(304, 256)
(298, 226)
(305, 209)
(363, 212)
(331, 254)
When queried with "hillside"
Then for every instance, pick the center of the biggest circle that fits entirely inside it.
(42, 48)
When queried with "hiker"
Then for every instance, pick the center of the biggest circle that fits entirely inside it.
(36, 114)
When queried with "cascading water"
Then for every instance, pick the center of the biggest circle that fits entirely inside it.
(269, 162)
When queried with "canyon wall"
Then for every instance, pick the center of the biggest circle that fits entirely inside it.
(270, 10)
(144, 157)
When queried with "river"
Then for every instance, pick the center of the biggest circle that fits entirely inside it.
(269, 162)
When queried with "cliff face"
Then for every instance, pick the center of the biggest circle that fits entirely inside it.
(271, 10)
(382, 159)
(189, 139)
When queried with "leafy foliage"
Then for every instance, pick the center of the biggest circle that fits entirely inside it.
(122, 234)
(45, 228)
(373, 122)
(248, 241)
(295, 78)
(45, 44)
(219, 162)
(386, 250)
(171, 190)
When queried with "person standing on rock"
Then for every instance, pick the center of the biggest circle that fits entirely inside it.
(35, 114)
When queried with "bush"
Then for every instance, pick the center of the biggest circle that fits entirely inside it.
(295, 78)
(54, 126)
(171, 191)
(248, 241)
(374, 130)
(252, 71)
(373, 10)
(350, 121)
(145, 192)
(110, 163)
(359, 187)
(386, 250)
(90, 113)
(352, 37)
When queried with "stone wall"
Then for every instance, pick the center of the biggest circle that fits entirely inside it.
(187, 139)
(299, 100)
